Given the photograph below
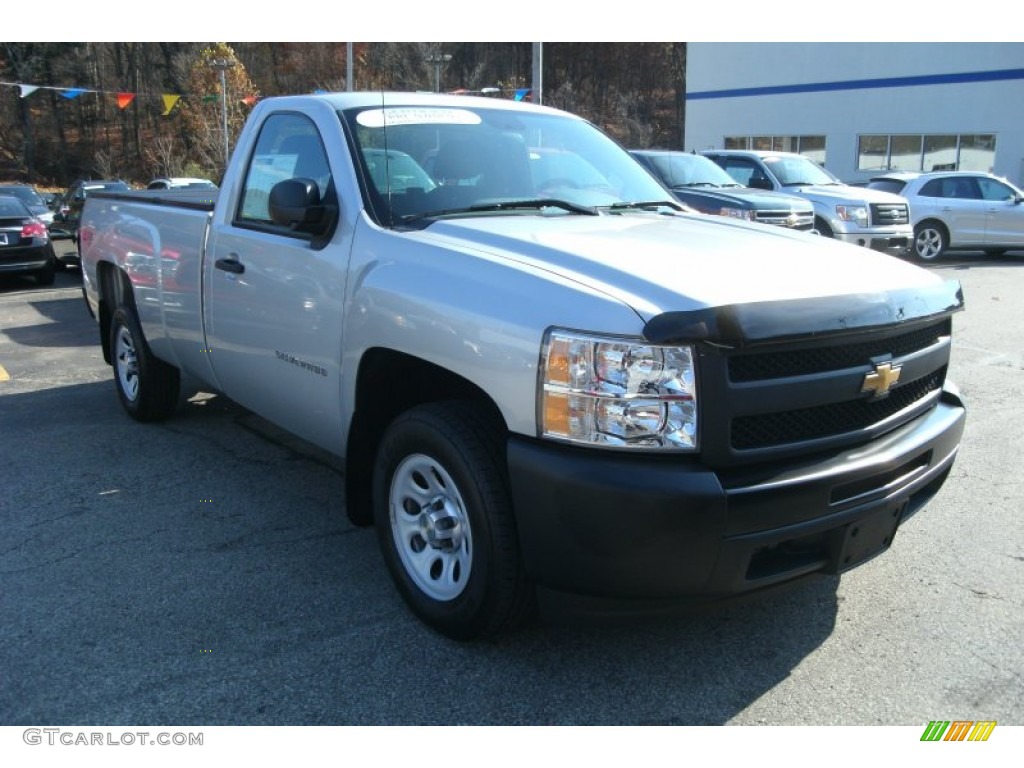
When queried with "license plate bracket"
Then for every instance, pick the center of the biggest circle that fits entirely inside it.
(858, 542)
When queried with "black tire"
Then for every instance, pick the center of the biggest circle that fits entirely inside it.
(47, 274)
(823, 228)
(147, 387)
(443, 512)
(930, 240)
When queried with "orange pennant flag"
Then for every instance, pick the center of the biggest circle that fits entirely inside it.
(170, 100)
(124, 99)
(249, 100)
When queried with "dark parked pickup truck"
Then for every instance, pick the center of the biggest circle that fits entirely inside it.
(699, 183)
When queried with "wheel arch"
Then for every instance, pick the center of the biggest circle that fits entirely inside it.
(933, 222)
(114, 289)
(822, 226)
(389, 383)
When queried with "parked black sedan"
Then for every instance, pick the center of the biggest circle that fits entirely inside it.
(25, 245)
(30, 197)
(701, 184)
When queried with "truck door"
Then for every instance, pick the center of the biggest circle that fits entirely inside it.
(275, 296)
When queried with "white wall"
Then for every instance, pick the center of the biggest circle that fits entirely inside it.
(842, 115)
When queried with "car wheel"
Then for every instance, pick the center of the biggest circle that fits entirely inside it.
(47, 274)
(443, 511)
(147, 387)
(930, 240)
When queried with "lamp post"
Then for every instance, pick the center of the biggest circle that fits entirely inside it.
(222, 66)
(438, 59)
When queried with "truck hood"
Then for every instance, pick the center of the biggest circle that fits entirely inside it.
(839, 193)
(658, 263)
(747, 197)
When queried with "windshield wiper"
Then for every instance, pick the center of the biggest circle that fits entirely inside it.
(646, 205)
(505, 205)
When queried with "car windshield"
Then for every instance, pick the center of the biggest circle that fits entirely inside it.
(422, 163)
(682, 170)
(797, 171)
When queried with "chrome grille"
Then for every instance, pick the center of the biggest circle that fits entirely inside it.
(786, 218)
(887, 214)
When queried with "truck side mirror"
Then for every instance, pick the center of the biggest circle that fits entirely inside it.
(760, 182)
(296, 204)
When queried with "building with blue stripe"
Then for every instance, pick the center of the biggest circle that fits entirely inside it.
(863, 108)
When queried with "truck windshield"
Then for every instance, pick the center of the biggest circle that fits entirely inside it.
(423, 162)
(798, 171)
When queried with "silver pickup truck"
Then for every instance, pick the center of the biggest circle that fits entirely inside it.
(550, 385)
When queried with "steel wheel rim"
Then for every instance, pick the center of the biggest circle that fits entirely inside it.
(127, 363)
(430, 527)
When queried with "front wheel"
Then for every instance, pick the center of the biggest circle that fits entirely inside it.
(930, 241)
(443, 512)
(147, 386)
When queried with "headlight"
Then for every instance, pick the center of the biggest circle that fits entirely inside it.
(617, 393)
(737, 213)
(857, 213)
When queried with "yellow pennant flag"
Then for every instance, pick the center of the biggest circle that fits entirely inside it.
(170, 100)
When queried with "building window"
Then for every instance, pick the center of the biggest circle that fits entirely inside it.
(812, 146)
(916, 152)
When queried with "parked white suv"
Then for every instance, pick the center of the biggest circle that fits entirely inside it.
(857, 215)
(959, 210)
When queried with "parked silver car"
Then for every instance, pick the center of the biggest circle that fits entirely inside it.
(956, 210)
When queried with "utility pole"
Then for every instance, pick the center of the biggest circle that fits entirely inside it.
(438, 59)
(222, 66)
(538, 73)
(349, 80)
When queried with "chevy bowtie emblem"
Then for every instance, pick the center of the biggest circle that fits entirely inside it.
(881, 380)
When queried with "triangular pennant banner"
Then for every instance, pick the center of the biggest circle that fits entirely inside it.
(249, 101)
(124, 99)
(170, 100)
(72, 93)
(27, 89)
(210, 97)
(522, 93)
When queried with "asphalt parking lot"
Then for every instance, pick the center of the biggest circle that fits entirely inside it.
(202, 572)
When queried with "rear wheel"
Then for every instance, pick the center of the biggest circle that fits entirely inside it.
(930, 240)
(46, 275)
(443, 512)
(147, 387)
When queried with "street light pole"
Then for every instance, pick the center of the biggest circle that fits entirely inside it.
(437, 59)
(222, 66)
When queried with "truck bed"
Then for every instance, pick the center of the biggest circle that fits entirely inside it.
(195, 199)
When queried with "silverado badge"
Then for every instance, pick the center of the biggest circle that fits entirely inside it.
(881, 380)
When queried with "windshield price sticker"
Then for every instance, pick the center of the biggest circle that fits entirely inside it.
(378, 118)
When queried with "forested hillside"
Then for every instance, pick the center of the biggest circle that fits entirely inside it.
(139, 110)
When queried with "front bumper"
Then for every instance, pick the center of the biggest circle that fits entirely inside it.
(645, 534)
(889, 242)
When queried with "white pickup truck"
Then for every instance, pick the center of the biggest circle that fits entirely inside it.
(549, 384)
